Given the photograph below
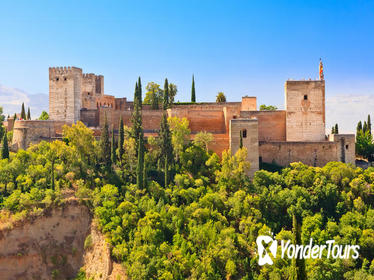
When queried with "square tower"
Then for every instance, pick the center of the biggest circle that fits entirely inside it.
(249, 130)
(305, 110)
(65, 93)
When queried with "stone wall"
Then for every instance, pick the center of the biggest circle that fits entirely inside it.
(249, 128)
(310, 153)
(271, 124)
(65, 90)
(34, 131)
(305, 107)
(90, 117)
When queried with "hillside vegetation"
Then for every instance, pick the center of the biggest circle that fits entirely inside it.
(203, 223)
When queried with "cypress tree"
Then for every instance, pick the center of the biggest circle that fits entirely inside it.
(140, 165)
(166, 171)
(369, 124)
(193, 93)
(298, 265)
(53, 175)
(365, 127)
(140, 93)
(333, 130)
(5, 148)
(137, 116)
(121, 139)
(166, 95)
(23, 113)
(241, 140)
(15, 116)
(113, 148)
(336, 129)
(165, 136)
(145, 174)
(359, 127)
(105, 146)
(154, 100)
(28, 113)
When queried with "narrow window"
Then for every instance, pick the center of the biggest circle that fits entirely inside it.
(346, 147)
(305, 97)
(64, 78)
(244, 133)
(57, 79)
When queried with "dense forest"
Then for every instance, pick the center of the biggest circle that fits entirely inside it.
(172, 209)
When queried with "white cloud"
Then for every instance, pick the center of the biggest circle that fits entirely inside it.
(11, 100)
(347, 110)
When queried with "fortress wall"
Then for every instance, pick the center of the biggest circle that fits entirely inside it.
(90, 117)
(311, 153)
(34, 131)
(89, 84)
(88, 101)
(250, 140)
(271, 124)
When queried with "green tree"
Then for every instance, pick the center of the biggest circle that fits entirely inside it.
(166, 95)
(220, 97)
(365, 127)
(172, 93)
(2, 117)
(15, 116)
(193, 93)
(113, 148)
(53, 175)
(137, 116)
(333, 129)
(154, 95)
(369, 124)
(105, 146)
(264, 107)
(23, 112)
(44, 116)
(336, 130)
(179, 134)
(140, 164)
(121, 138)
(166, 144)
(28, 113)
(298, 265)
(359, 127)
(202, 139)
(140, 98)
(5, 148)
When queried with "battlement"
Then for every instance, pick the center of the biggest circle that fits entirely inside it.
(88, 75)
(64, 70)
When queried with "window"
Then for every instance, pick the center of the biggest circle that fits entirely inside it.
(64, 78)
(305, 97)
(346, 147)
(244, 133)
(57, 79)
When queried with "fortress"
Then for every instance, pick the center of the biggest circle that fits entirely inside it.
(296, 133)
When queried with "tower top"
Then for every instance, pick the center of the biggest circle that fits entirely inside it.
(321, 76)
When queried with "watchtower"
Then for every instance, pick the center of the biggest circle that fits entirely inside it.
(65, 93)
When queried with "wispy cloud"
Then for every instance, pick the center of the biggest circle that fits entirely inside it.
(11, 100)
(347, 110)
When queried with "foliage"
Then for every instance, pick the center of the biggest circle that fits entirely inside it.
(264, 107)
(44, 116)
(220, 97)
(23, 112)
(203, 139)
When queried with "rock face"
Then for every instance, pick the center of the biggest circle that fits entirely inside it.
(47, 247)
(57, 245)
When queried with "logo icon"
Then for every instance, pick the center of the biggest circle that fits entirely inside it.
(264, 257)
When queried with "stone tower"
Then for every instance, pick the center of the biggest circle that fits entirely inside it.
(65, 93)
(305, 110)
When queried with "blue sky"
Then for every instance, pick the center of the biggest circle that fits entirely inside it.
(239, 47)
